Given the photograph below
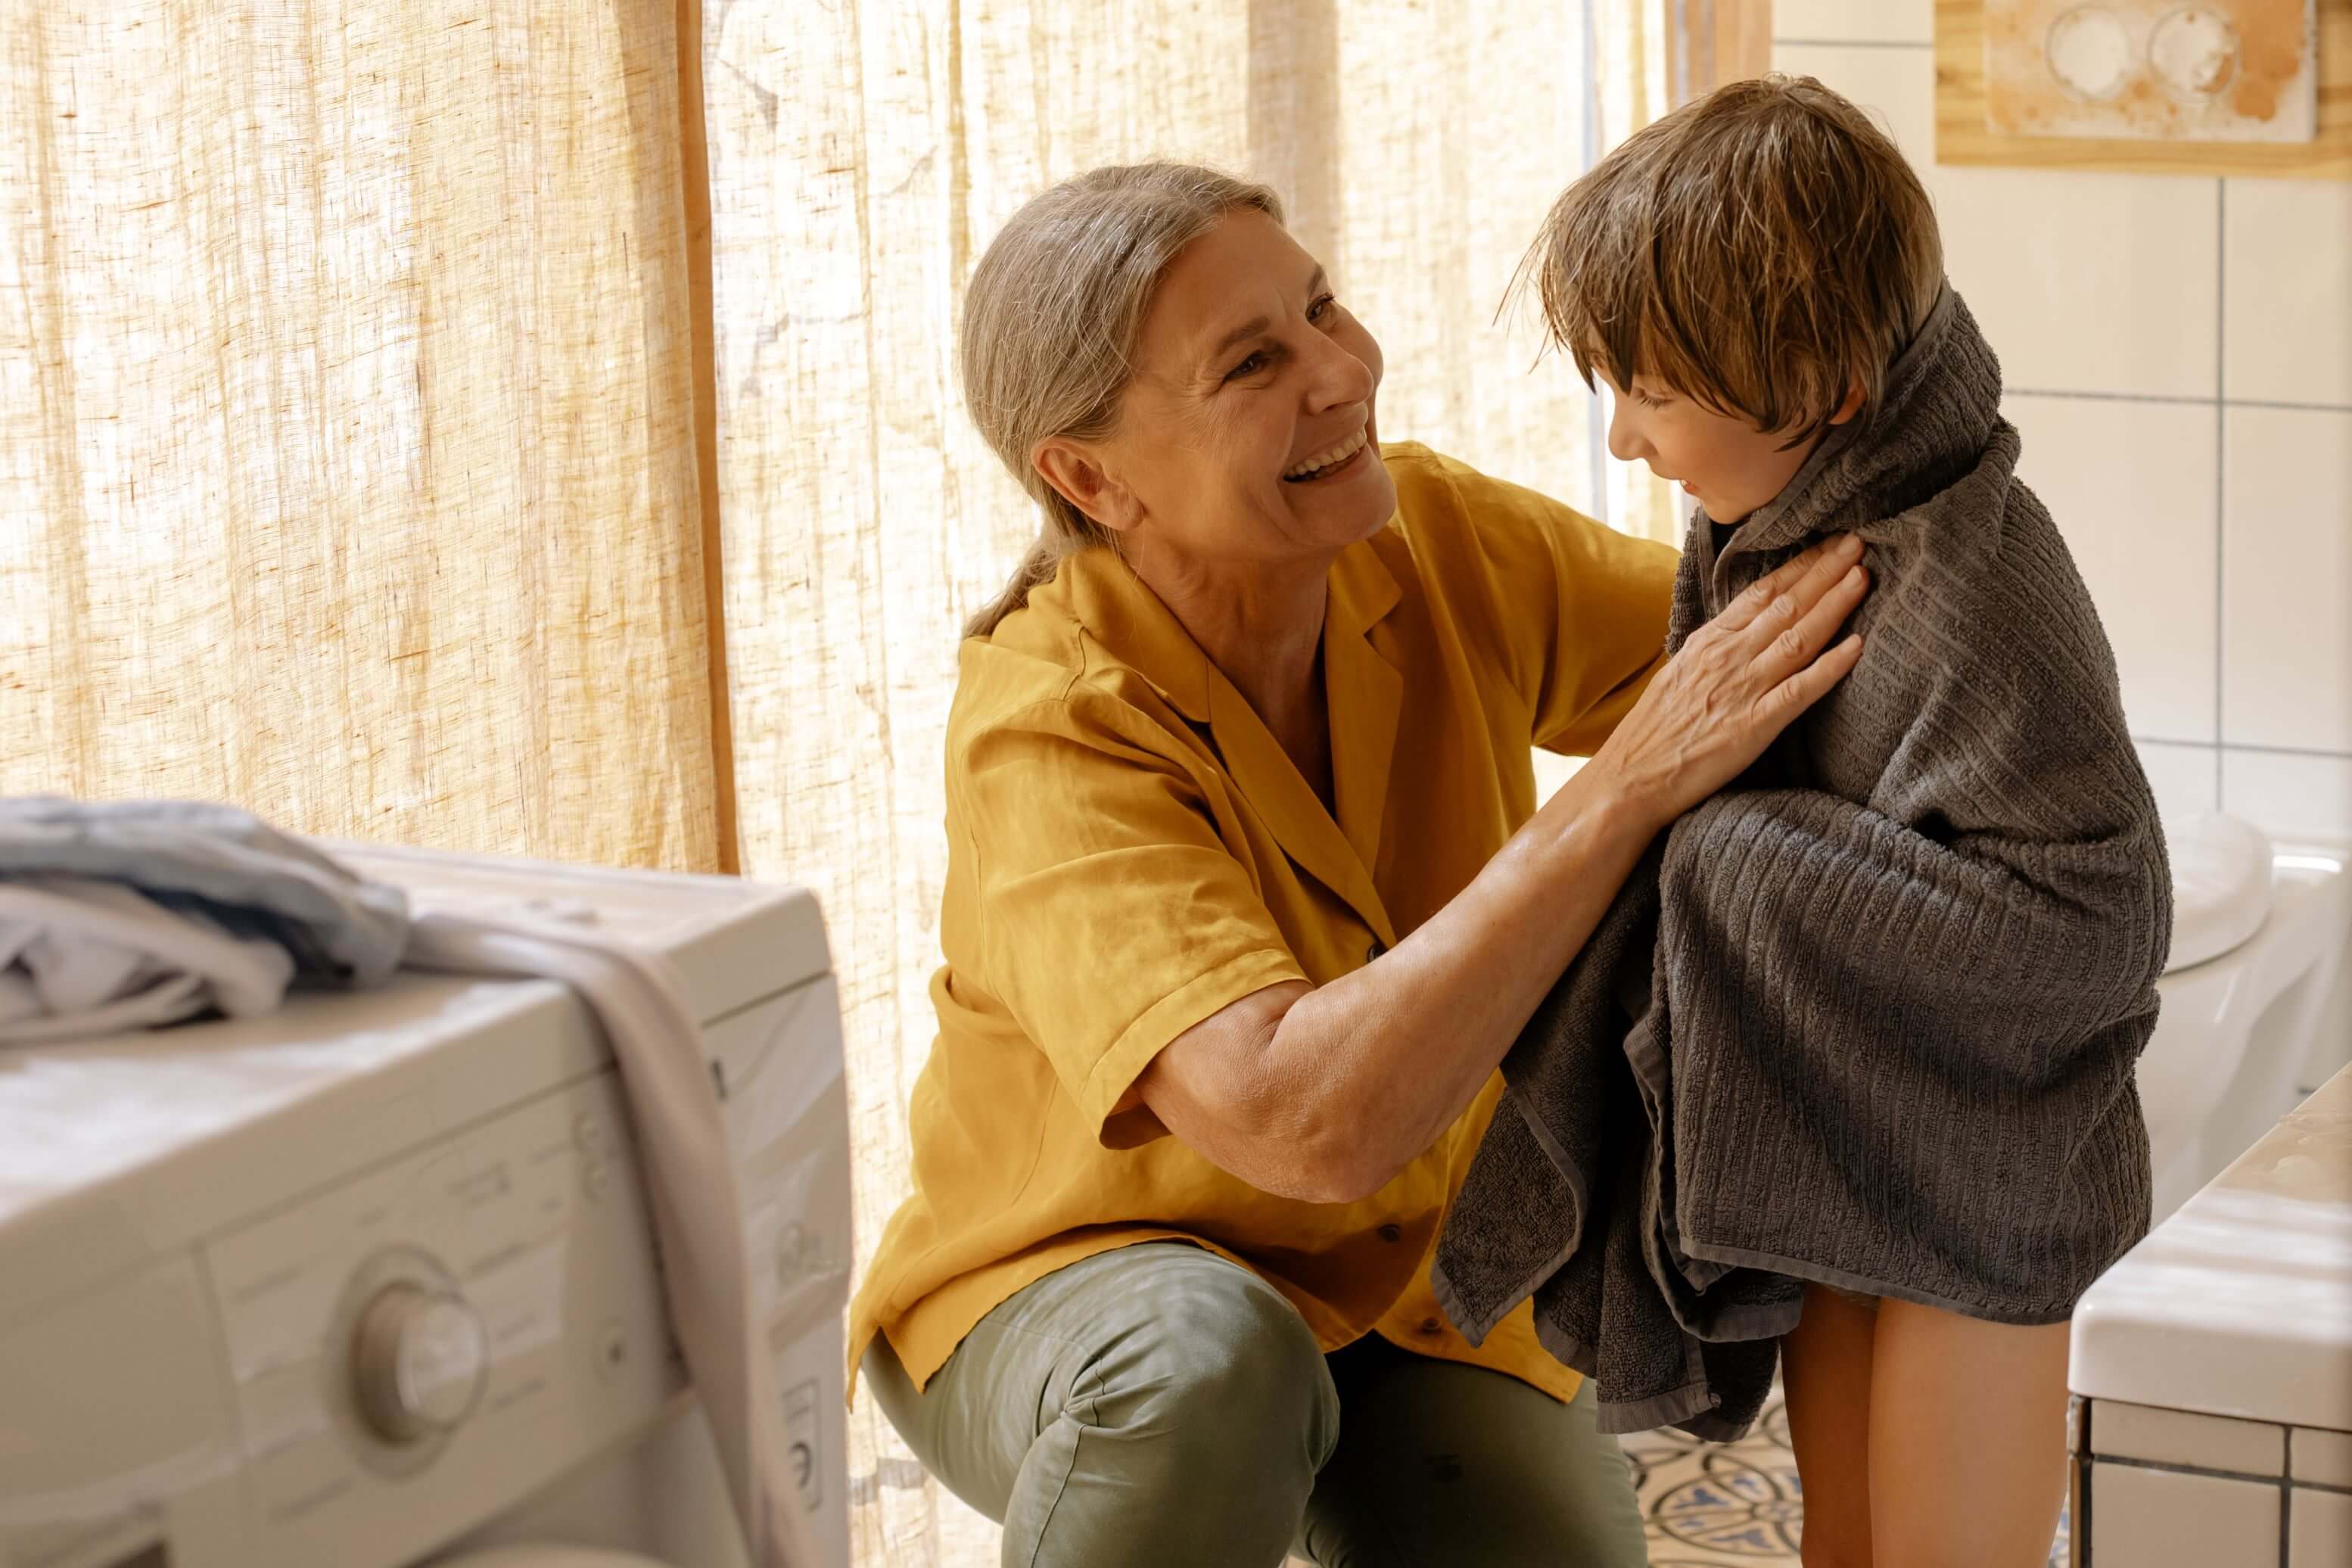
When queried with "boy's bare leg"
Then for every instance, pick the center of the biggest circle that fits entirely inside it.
(1967, 1441)
(1826, 1372)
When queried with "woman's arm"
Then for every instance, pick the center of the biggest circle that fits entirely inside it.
(1324, 1093)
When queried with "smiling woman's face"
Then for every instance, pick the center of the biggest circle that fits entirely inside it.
(1247, 434)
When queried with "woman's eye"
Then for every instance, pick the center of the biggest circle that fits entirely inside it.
(1250, 366)
(1320, 308)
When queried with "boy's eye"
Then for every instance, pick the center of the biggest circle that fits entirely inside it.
(1650, 400)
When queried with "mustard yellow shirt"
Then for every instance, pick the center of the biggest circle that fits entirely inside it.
(1130, 850)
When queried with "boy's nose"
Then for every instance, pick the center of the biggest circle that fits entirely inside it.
(1625, 443)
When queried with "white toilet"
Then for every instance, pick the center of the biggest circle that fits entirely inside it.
(2259, 936)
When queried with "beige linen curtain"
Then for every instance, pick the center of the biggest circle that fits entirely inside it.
(386, 445)
(346, 445)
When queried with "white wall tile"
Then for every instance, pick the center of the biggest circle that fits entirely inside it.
(2287, 273)
(2289, 797)
(2183, 1437)
(2319, 1530)
(2321, 1456)
(2088, 282)
(2132, 488)
(1896, 87)
(1849, 21)
(2286, 621)
(2161, 1519)
(2187, 779)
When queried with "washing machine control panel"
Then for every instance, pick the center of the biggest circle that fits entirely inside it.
(414, 1350)
(369, 1371)
(357, 1377)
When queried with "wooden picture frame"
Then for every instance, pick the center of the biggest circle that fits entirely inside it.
(1961, 136)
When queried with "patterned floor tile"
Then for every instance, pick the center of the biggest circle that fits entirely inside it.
(1729, 1505)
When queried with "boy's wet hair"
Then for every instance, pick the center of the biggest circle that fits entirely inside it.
(1762, 250)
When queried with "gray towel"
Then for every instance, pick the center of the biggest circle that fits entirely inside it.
(1870, 1016)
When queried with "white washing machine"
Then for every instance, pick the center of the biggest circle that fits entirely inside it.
(224, 1249)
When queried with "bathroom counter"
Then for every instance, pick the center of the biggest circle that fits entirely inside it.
(2211, 1421)
(2240, 1303)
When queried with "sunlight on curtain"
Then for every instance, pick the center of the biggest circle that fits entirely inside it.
(1444, 175)
(1637, 46)
(862, 156)
(345, 433)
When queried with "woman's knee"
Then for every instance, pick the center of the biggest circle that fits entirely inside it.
(1229, 1373)
(1190, 1430)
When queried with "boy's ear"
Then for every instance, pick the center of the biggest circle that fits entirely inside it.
(1851, 406)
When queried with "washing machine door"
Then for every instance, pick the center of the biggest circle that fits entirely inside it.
(551, 1555)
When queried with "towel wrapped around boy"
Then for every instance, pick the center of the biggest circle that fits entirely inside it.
(1868, 1017)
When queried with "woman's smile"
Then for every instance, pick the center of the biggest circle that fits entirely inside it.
(1341, 457)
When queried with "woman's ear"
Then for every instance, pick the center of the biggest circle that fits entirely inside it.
(1077, 471)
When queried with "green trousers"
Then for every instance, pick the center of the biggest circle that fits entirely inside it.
(1158, 1405)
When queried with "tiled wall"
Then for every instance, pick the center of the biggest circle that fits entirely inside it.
(2178, 357)
(2164, 1489)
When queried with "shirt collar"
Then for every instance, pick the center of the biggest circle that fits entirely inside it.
(1136, 627)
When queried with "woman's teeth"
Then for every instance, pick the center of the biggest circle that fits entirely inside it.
(1327, 459)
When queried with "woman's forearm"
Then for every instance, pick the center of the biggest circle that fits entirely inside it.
(1380, 1062)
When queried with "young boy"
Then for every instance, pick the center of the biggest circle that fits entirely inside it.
(1888, 990)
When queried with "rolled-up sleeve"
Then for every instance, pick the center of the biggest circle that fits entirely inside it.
(1112, 917)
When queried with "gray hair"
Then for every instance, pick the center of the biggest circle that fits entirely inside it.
(1050, 320)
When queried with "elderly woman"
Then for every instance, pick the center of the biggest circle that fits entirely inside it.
(1248, 892)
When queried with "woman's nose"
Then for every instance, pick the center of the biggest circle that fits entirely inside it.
(1340, 377)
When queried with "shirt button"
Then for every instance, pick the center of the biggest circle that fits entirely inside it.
(1374, 950)
(1430, 1326)
(1391, 1232)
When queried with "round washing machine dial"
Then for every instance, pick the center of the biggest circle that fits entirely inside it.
(419, 1358)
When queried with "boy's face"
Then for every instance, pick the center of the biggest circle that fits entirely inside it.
(1727, 464)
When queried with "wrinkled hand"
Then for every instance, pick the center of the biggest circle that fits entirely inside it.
(1738, 681)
